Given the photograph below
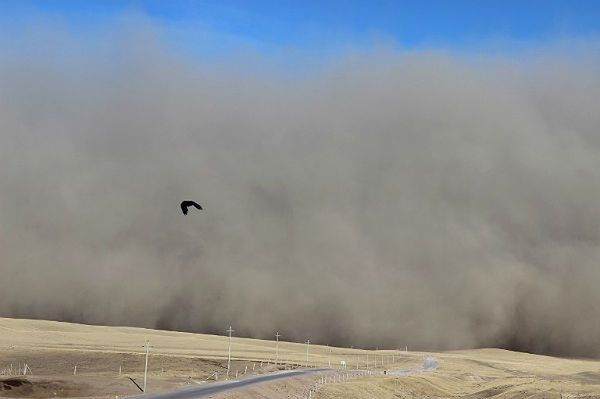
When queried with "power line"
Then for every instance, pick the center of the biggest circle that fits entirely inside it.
(277, 335)
(230, 330)
(147, 346)
(307, 346)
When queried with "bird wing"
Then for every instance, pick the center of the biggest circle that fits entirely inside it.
(186, 204)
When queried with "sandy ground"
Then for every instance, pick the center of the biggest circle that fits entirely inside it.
(53, 349)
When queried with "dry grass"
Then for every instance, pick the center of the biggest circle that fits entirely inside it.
(41, 335)
(52, 349)
(485, 373)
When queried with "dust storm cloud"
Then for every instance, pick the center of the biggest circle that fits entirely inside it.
(385, 198)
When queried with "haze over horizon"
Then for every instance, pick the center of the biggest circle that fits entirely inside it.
(376, 195)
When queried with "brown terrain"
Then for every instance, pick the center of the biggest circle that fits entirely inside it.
(67, 360)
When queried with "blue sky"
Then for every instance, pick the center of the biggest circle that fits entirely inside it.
(309, 25)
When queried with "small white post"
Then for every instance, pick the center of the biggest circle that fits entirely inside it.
(75, 370)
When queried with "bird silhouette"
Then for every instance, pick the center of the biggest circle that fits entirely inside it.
(186, 204)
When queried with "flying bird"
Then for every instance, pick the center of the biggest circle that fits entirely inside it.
(186, 204)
